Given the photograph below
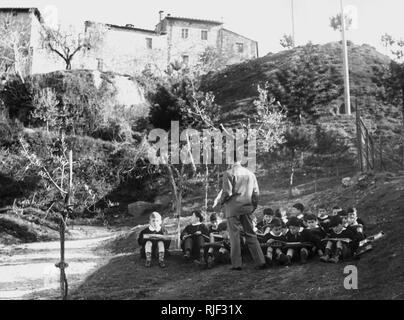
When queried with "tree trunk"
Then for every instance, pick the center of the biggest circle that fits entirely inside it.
(292, 172)
(206, 186)
(68, 64)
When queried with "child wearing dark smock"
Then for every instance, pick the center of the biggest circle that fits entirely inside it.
(336, 250)
(153, 247)
(274, 252)
(194, 236)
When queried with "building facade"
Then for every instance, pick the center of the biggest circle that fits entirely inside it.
(130, 50)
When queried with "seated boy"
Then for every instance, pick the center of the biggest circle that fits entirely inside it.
(356, 223)
(317, 233)
(297, 210)
(194, 237)
(297, 233)
(322, 215)
(264, 225)
(217, 251)
(152, 247)
(275, 234)
(336, 250)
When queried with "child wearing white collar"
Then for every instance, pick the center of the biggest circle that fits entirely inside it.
(150, 247)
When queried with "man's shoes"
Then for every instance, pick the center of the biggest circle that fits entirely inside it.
(148, 264)
(261, 267)
(236, 268)
(269, 261)
(162, 264)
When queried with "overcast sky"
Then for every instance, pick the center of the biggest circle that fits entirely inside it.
(262, 20)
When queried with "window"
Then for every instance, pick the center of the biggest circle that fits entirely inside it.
(240, 47)
(149, 43)
(185, 59)
(204, 35)
(184, 33)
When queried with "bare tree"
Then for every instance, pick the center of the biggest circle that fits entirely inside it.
(45, 103)
(56, 171)
(67, 42)
(14, 46)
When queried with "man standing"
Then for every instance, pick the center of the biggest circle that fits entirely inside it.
(240, 197)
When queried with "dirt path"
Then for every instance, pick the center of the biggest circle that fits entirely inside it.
(28, 271)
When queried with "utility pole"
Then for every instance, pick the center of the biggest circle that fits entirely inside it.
(293, 23)
(346, 67)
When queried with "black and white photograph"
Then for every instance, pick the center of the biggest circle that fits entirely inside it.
(202, 154)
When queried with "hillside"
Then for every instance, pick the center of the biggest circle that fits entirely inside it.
(235, 86)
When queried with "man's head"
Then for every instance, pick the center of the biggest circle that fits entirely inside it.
(155, 220)
(267, 215)
(336, 224)
(276, 226)
(294, 224)
(311, 221)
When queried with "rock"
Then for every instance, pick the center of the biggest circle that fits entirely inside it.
(163, 200)
(141, 207)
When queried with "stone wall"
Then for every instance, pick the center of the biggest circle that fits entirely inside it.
(229, 47)
(193, 45)
(125, 51)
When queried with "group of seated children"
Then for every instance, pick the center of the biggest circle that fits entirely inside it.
(333, 236)
(284, 237)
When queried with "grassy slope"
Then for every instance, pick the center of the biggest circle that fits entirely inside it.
(236, 86)
(380, 204)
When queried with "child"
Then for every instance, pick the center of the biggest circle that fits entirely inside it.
(344, 217)
(356, 223)
(217, 251)
(317, 233)
(264, 225)
(194, 237)
(149, 247)
(322, 215)
(275, 234)
(297, 210)
(341, 249)
(296, 233)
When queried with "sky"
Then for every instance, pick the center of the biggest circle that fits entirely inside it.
(265, 21)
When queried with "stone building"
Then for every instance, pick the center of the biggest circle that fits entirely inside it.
(129, 50)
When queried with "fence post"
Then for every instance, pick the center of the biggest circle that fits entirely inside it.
(315, 180)
(359, 137)
(367, 151)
